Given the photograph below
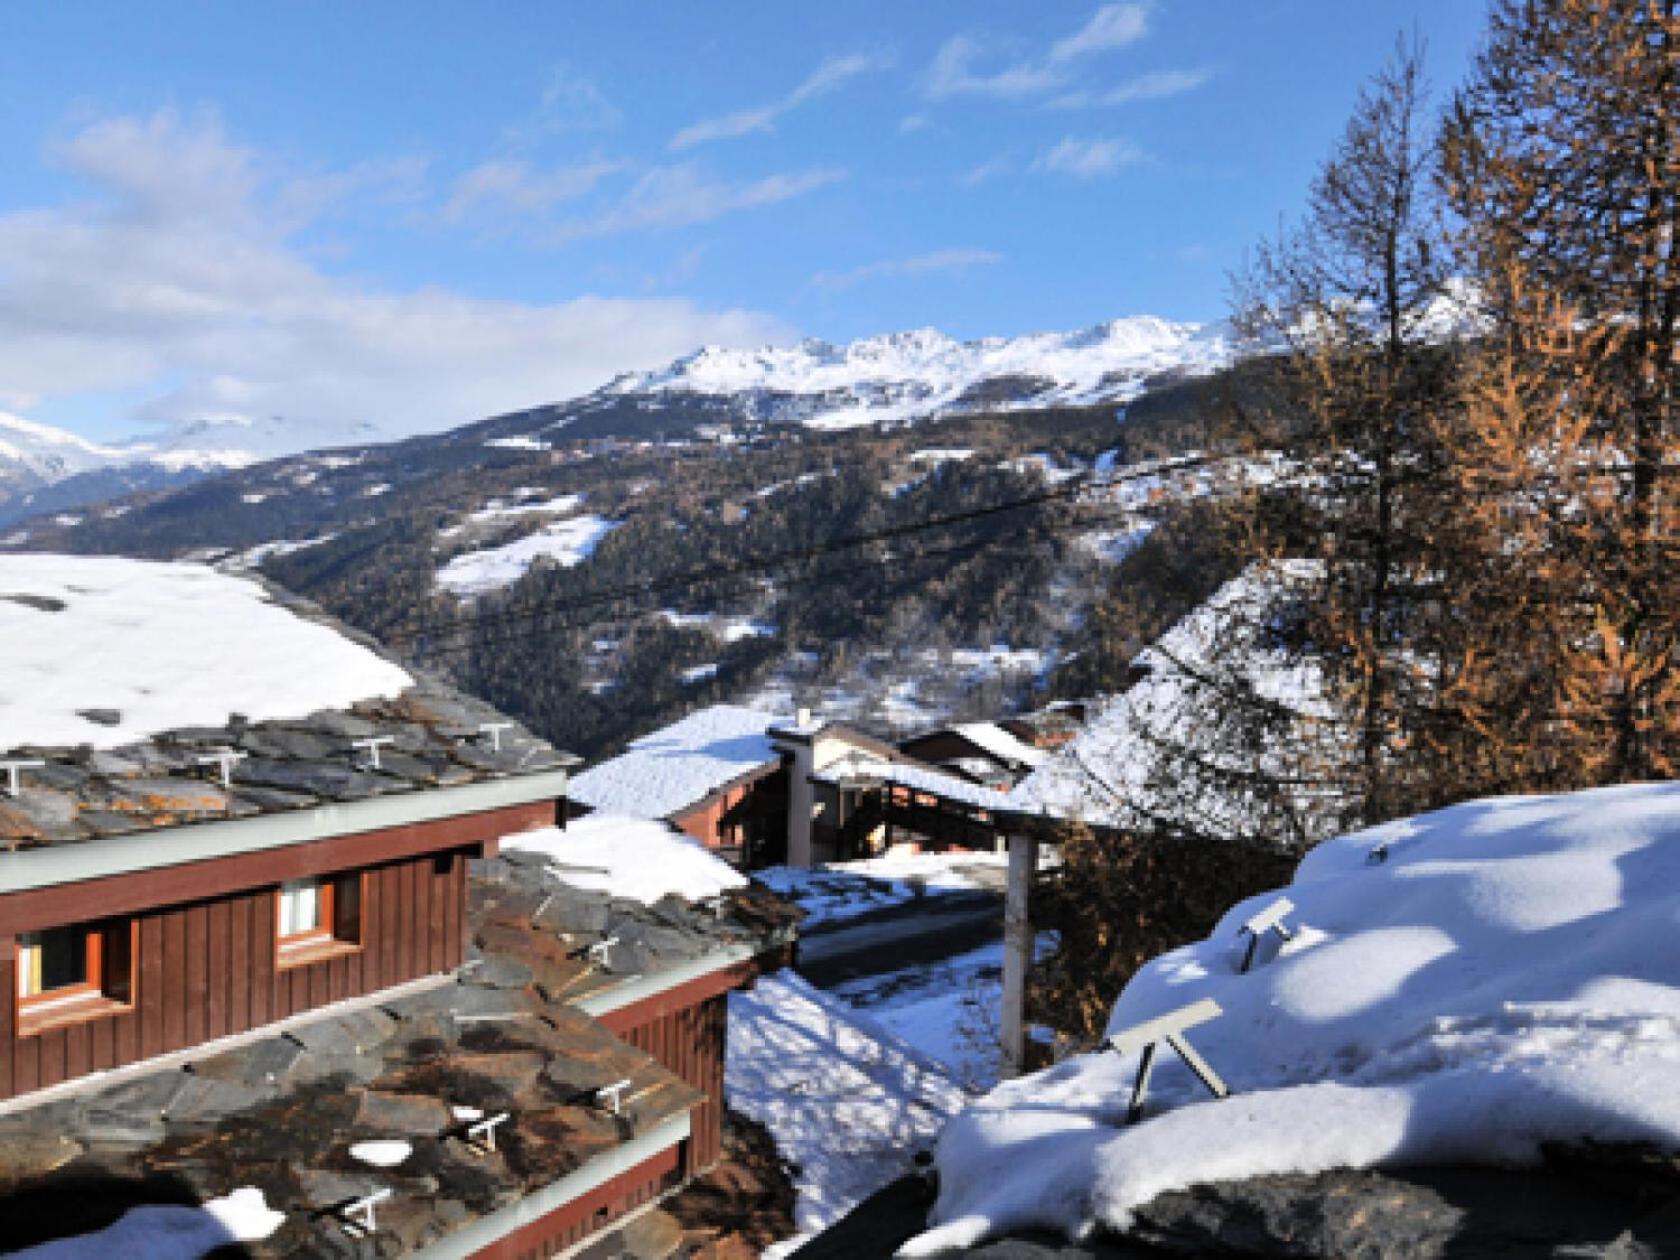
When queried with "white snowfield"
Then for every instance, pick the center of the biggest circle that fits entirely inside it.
(680, 764)
(633, 858)
(906, 375)
(567, 543)
(1462, 987)
(847, 1102)
(150, 647)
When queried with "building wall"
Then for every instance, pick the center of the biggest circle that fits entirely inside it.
(690, 1042)
(208, 969)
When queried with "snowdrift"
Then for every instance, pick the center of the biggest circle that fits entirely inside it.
(1462, 987)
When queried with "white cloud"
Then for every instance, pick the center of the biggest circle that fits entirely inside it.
(989, 169)
(911, 123)
(570, 103)
(953, 70)
(1157, 85)
(181, 280)
(1112, 26)
(830, 75)
(505, 185)
(1088, 159)
(684, 194)
(940, 262)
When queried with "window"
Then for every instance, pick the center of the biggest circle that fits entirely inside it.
(69, 973)
(318, 916)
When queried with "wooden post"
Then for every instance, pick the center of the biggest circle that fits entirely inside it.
(1017, 949)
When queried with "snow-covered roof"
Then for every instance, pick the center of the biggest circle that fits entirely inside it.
(664, 772)
(1001, 744)
(1461, 987)
(1159, 753)
(105, 651)
(637, 859)
(918, 779)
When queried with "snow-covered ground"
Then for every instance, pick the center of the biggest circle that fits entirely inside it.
(1462, 986)
(567, 542)
(947, 1011)
(145, 647)
(848, 1102)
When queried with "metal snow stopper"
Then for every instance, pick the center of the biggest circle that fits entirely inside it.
(1169, 1028)
(226, 759)
(372, 747)
(1268, 920)
(613, 1095)
(481, 1136)
(12, 769)
(357, 1215)
(494, 731)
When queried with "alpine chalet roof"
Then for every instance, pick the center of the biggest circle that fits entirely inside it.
(128, 678)
(666, 771)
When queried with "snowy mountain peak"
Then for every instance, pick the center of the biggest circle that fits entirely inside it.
(45, 452)
(905, 375)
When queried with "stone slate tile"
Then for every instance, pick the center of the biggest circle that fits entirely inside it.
(402, 1115)
(355, 1033)
(257, 1065)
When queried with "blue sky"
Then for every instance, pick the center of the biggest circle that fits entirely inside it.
(416, 213)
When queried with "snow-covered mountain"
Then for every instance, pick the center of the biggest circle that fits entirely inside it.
(45, 469)
(42, 454)
(908, 375)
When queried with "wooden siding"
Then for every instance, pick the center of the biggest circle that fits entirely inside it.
(209, 969)
(588, 1214)
(689, 1042)
(213, 878)
(744, 823)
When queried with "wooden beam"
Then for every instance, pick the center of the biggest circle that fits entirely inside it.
(1017, 950)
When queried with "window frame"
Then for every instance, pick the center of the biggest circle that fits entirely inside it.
(102, 991)
(329, 939)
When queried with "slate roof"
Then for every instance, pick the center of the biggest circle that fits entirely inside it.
(281, 1112)
(85, 793)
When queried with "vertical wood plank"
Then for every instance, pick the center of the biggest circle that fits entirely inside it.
(196, 990)
(217, 924)
(174, 979)
(150, 1007)
(396, 885)
(239, 964)
(26, 1068)
(52, 1056)
(80, 1051)
(8, 1029)
(437, 893)
(262, 958)
(125, 1038)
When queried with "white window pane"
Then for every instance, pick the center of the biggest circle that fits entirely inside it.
(300, 906)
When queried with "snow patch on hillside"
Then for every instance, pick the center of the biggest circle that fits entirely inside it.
(1462, 986)
(566, 543)
(147, 647)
